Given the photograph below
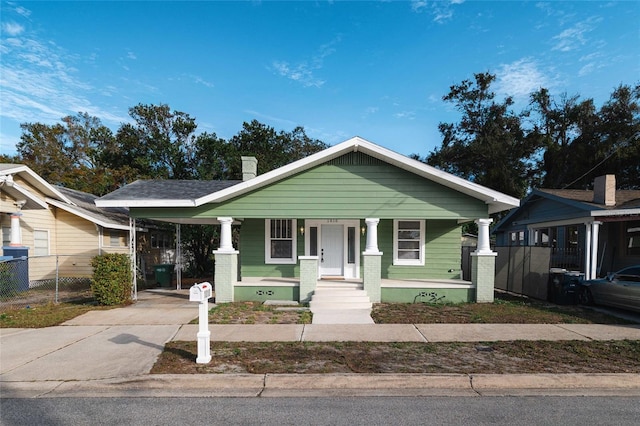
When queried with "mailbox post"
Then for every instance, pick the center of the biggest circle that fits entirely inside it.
(202, 293)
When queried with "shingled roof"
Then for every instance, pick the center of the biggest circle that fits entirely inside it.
(168, 189)
(625, 198)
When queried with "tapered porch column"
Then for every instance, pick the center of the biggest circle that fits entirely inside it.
(372, 262)
(483, 264)
(226, 258)
(15, 230)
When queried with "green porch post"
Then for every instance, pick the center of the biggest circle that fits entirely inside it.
(372, 262)
(483, 264)
(226, 258)
(308, 277)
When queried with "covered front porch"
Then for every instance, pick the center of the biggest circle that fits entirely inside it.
(369, 276)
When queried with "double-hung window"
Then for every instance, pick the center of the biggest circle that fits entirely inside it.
(41, 242)
(408, 242)
(280, 241)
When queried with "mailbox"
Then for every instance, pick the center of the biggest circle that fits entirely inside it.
(200, 292)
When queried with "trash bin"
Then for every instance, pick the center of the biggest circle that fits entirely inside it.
(163, 273)
(564, 286)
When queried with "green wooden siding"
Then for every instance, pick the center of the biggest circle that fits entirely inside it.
(252, 241)
(442, 252)
(259, 293)
(427, 295)
(352, 186)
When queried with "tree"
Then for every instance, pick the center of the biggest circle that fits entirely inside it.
(488, 146)
(68, 154)
(582, 143)
(565, 127)
(158, 145)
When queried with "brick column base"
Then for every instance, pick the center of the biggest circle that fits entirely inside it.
(226, 275)
(372, 275)
(483, 274)
(308, 277)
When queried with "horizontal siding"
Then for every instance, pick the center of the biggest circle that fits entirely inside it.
(252, 252)
(76, 235)
(442, 252)
(342, 191)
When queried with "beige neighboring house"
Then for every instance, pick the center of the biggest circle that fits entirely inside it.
(54, 221)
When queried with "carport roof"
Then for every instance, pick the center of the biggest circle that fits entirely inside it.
(173, 192)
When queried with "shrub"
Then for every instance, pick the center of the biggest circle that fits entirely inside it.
(111, 284)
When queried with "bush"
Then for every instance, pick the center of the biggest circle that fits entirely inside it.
(111, 283)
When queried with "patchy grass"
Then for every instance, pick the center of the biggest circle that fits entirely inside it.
(46, 315)
(506, 309)
(410, 357)
(258, 313)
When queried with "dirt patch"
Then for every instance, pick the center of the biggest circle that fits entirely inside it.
(436, 358)
(258, 313)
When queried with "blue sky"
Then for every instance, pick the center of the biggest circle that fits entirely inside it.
(339, 69)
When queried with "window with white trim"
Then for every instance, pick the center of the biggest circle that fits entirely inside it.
(41, 242)
(280, 241)
(408, 242)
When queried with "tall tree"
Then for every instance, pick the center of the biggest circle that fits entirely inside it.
(157, 146)
(582, 142)
(566, 127)
(68, 154)
(488, 145)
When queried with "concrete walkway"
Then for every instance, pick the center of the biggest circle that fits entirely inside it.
(110, 353)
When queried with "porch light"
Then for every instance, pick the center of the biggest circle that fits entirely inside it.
(363, 230)
(302, 230)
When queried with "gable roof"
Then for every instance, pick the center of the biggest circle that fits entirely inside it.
(496, 201)
(580, 201)
(18, 191)
(84, 206)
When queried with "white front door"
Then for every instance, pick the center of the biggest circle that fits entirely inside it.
(332, 250)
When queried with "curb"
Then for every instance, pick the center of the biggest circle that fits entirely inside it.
(318, 385)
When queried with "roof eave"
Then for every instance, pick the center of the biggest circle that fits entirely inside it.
(145, 203)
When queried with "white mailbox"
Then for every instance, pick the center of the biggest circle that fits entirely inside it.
(200, 292)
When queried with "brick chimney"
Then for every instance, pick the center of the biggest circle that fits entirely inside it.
(249, 168)
(604, 190)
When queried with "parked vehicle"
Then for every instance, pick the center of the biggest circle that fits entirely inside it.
(620, 289)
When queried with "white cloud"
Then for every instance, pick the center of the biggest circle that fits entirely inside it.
(39, 83)
(303, 72)
(131, 55)
(441, 11)
(409, 115)
(521, 78)
(576, 36)
(12, 28)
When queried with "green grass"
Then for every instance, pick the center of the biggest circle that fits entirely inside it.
(46, 315)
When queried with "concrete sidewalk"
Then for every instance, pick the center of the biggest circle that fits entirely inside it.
(105, 353)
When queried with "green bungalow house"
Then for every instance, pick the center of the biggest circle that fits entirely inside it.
(355, 214)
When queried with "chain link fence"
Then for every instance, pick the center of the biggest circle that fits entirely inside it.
(44, 279)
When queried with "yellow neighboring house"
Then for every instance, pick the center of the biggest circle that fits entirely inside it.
(56, 224)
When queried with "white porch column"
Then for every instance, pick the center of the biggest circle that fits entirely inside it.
(226, 258)
(587, 251)
(226, 245)
(372, 235)
(15, 230)
(595, 232)
(483, 264)
(372, 262)
(484, 243)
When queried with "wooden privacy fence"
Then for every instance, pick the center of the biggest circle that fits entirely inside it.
(523, 270)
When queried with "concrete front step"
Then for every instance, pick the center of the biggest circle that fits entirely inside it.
(340, 303)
